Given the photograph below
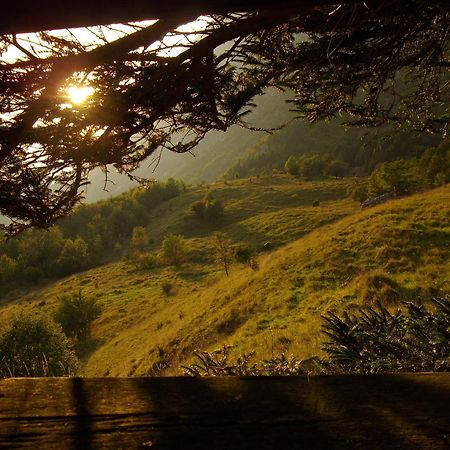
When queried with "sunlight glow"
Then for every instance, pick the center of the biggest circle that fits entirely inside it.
(78, 95)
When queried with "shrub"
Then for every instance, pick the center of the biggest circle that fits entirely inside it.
(140, 238)
(337, 169)
(73, 257)
(223, 251)
(209, 209)
(247, 255)
(380, 341)
(167, 288)
(397, 178)
(219, 363)
(8, 269)
(359, 190)
(291, 166)
(174, 249)
(35, 347)
(214, 210)
(75, 314)
(198, 209)
(145, 261)
(312, 166)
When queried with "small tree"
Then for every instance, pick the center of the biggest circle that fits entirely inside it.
(337, 169)
(209, 209)
(397, 177)
(358, 191)
(223, 251)
(291, 166)
(8, 269)
(214, 210)
(198, 209)
(76, 313)
(73, 257)
(140, 238)
(174, 249)
(246, 255)
(35, 347)
(312, 166)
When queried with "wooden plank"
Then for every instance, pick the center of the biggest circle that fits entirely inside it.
(324, 412)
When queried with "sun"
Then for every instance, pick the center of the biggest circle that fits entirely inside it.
(78, 95)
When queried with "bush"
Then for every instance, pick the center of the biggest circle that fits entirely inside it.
(174, 249)
(75, 314)
(8, 269)
(214, 210)
(380, 341)
(337, 169)
(145, 261)
(140, 238)
(435, 164)
(312, 166)
(198, 209)
(359, 190)
(219, 363)
(36, 347)
(397, 178)
(291, 166)
(209, 209)
(73, 257)
(247, 255)
(167, 288)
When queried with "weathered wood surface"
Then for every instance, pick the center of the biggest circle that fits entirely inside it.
(325, 412)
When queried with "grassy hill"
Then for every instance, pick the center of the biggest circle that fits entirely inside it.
(334, 256)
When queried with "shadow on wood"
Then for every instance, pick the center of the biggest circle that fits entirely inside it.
(323, 412)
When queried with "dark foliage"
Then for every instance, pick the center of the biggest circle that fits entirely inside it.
(91, 235)
(33, 347)
(209, 209)
(220, 363)
(246, 255)
(380, 341)
(76, 313)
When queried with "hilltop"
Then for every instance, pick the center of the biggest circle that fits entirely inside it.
(332, 256)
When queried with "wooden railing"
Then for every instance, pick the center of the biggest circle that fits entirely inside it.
(322, 412)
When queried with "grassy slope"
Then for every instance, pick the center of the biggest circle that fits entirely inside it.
(394, 251)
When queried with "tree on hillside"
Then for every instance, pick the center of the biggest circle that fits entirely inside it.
(155, 85)
(337, 169)
(291, 166)
(397, 177)
(37, 252)
(223, 251)
(140, 238)
(73, 257)
(35, 347)
(8, 269)
(76, 313)
(246, 255)
(174, 249)
(210, 208)
(312, 166)
(435, 164)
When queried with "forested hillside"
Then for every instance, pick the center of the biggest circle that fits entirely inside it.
(243, 152)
